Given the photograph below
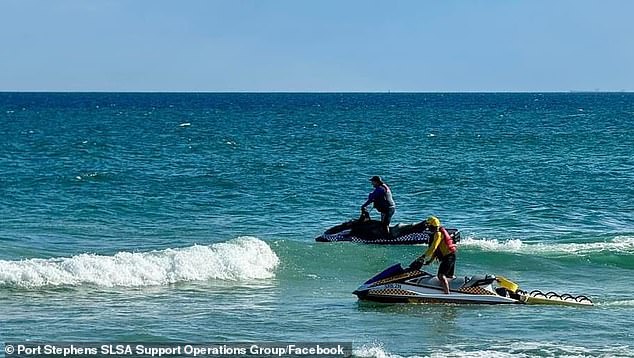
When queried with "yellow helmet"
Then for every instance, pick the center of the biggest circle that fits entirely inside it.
(433, 221)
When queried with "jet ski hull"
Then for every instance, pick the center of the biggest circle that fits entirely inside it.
(409, 294)
(410, 239)
(397, 285)
(366, 231)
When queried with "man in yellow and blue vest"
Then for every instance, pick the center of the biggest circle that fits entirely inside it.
(442, 248)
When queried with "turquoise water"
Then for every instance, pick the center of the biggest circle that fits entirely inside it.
(191, 217)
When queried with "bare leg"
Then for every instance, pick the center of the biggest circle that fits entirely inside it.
(445, 284)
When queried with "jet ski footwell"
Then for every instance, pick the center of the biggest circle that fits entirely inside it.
(397, 285)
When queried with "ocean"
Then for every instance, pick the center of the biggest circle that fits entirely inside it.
(191, 217)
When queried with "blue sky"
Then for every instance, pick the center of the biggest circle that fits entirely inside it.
(302, 45)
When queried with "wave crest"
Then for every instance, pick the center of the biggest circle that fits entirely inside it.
(239, 259)
(620, 244)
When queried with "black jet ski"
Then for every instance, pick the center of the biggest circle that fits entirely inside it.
(398, 285)
(368, 231)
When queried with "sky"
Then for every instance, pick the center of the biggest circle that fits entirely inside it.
(316, 45)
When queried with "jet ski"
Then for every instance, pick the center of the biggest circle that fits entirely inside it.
(398, 285)
(368, 231)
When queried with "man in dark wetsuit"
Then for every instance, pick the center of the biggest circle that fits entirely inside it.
(381, 196)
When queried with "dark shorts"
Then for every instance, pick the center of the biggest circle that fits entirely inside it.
(386, 217)
(447, 266)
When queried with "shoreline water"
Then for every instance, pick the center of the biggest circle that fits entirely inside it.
(114, 211)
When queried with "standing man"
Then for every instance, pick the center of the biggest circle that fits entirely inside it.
(441, 248)
(381, 196)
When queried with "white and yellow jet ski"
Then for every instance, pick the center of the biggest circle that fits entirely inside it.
(398, 285)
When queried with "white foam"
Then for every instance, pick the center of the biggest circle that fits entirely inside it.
(378, 351)
(496, 350)
(239, 259)
(493, 244)
(621, 303)
(374, 350)
(620, 244)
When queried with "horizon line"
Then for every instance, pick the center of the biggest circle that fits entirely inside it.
(314, 92)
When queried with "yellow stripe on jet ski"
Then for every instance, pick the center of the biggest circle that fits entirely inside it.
(508, 284)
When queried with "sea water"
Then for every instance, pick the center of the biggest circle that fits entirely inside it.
(191, 217)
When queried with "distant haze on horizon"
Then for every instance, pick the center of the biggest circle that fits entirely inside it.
(316, 46)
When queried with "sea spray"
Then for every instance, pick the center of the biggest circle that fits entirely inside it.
(373, 350)
(620, 244)
(239, 259)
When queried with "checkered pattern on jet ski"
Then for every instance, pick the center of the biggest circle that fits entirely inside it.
(477, 291)
(392, 292)
(416, 237)
(402, 276)
(335, 237)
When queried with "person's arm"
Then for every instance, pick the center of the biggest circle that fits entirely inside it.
(429, 254)
(422, 259)
(371, 198)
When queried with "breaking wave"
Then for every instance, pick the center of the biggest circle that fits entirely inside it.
(239, 259)
(620, 244)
